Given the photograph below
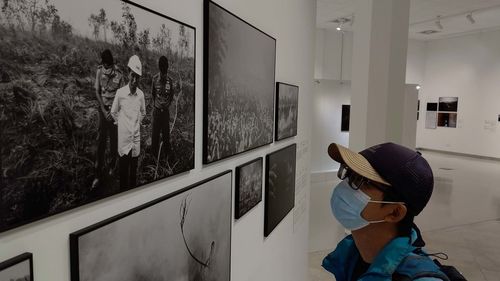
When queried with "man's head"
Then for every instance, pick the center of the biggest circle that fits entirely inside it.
(107, 60)
(135, 72)
(397, 180)
(163, 65)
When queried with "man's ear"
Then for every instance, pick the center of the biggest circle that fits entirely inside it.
(398, 212)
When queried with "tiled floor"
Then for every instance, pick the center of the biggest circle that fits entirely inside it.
(462, 218)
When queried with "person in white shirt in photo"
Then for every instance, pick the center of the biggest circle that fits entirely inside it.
(128, 111)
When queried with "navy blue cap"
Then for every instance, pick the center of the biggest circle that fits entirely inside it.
(408, 173)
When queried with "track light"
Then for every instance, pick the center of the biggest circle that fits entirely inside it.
(339, 27)
(418, 87)
(470, 18)
(438, 22)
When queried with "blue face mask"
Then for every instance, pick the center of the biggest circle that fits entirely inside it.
(347, 205)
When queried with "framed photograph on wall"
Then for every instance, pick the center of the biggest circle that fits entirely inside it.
(287, 104)
(345, 119)
(447, 119)
(248, 187)
(238, 83)
(280, 186)
(449, 104)
(185, 235)
(63, 139)
(18, 268)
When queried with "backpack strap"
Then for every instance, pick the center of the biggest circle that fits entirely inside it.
(415, 266)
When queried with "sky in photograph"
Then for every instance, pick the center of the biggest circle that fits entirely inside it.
(250, 57)
(77, 13)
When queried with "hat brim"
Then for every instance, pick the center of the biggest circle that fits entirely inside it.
(356, 162)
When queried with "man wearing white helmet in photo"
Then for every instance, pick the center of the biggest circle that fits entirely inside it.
(128, 110)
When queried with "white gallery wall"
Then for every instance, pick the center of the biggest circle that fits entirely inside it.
(467, 67)
(282, 255)
(330, 94)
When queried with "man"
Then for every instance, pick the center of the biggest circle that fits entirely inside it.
(108, 80)
(383, 188)
(163, 89)
(128, 111)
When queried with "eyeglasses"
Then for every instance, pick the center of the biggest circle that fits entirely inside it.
(355, 180)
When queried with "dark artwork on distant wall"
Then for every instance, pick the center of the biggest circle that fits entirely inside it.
(432, 106)
(248, 187)
(182, 236)
(69, 132)
(280, 186)
(498, 117)
(447, 120)
(19, 268)
(346, 115)
(238, 85)
(418, 109)
(448, 104)
(287, 104)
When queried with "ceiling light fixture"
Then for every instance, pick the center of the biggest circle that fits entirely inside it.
(418, 87)
(438, 22)
(470, 18)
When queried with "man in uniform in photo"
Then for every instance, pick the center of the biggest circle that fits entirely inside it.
(163, 90)
(128, 111)
(108, 80)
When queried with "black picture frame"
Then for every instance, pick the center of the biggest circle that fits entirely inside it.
(448, 104)
(209, 156)
(242, 206)
(280, 189)
(432, 106)
(39, 198)
(345, 119)
(191, 256)
(447, 119)
(284, 129)
(10, 263)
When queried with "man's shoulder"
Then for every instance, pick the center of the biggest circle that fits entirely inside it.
(122, 91)
(140, 93)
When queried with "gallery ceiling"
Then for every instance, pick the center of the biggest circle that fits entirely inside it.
(423, 15)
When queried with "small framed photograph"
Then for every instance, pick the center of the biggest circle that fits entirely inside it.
(248, 187)
(287, 104)
(280, 186)
(18, 268)
(449, 104)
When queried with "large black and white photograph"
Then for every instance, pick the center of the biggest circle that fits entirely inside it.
(239, 73)
(19, 268)
(248, 187)
(280, 186)
(182, 236)
(287, 106)
(448, 104)
(96, 97)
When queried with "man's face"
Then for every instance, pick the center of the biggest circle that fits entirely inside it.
(133, 81)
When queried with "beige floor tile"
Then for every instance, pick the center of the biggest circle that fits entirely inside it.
(492, 275)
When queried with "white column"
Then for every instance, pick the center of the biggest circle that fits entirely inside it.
(378, 72)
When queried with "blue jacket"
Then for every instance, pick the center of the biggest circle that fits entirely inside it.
(397, 256)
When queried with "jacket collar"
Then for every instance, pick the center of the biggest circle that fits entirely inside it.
(342, 260)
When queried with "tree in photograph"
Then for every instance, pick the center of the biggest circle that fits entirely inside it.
(13, 10)
(144, 40)
(45, 16)
(94, 23)
(163, 41)
(104, 23)
(61, 28)
(126, 31)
